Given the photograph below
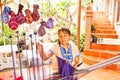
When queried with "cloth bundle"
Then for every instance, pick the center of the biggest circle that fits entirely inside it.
(13, 23)
(49, 23)
(35, 14)
(28, 17)
(20, 17)
(41, 29)
(5, 16)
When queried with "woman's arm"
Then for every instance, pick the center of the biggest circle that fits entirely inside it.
(76, 61)
(43, 54)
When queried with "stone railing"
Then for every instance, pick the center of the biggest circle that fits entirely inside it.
(89, 16)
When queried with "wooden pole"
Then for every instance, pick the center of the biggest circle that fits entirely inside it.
(78, 24)
(1, 13)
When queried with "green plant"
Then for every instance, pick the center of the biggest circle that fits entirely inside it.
(74, 38)
(4, 39)
(82, 39)
(93, 28)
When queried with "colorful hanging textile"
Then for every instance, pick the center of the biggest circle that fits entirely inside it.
(35, 14)
(13, 23)
(28, 17)
(41, 30)
(4, 16)
(49, 23)
(20, 17)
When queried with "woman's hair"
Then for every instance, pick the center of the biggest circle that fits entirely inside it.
(64, 30)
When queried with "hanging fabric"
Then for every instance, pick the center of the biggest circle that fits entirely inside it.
(13, 23)
(49, 23)
(20, 17)
(35, 14)
(4, 16)
(41, 29)
(28, 17)
(65, 69)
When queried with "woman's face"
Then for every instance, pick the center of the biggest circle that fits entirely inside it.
(63, 38)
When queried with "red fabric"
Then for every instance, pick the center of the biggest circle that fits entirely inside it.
(35, 14)
(20, 17)
(13, 23)
(28, 17)
(41, 29)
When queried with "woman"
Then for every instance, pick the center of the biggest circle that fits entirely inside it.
(64, 49)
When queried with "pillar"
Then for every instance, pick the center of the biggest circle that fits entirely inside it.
(89, 15)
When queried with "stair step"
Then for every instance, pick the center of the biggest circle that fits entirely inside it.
(100, 16)
(90, 60)
(111, 47)
(102, 25)
(109, 41)
(105, 28)
(105, 31)
(100, 53)
(101, 21)
(102, 35)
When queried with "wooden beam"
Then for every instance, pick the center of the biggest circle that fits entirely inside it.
(78, 24)
(1, 3)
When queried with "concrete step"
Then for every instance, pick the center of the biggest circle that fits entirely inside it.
(106, 54)
(104, 31)
(102, 25)
(104, 28)
(108, 41)
(103, 35)
(111, 47)
(90, 60)
(101, 21)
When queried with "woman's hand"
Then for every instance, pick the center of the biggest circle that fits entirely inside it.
(43, 53)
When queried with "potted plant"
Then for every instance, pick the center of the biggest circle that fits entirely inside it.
(93, 28)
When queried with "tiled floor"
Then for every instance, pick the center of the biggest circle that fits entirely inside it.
(102, 74)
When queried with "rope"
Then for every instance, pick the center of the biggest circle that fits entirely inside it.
(24, 34)
(10, 37)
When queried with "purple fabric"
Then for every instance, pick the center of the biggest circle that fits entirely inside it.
(65, 69)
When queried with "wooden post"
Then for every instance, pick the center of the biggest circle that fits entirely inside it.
(113, 15)
(78, 24)
(89, 15)
(1, 13)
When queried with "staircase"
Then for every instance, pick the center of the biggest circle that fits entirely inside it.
(108, 45)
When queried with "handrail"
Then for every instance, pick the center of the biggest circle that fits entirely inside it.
(84, 71)
(109, 14)
(99, 65)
